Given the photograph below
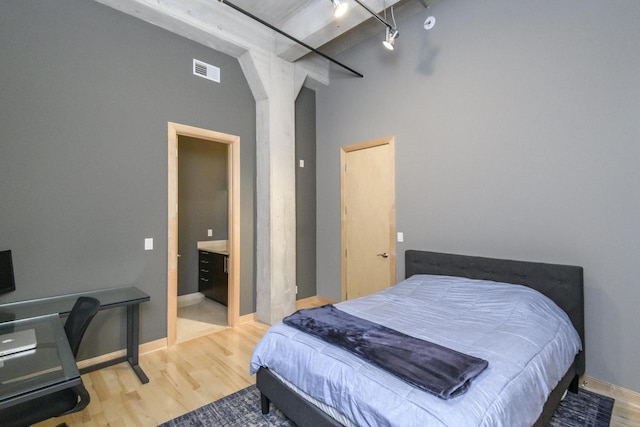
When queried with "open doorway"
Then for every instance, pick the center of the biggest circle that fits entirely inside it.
(203, 227)
(215, 243)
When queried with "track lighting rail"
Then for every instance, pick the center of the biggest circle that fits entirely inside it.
(290, 37)
(375, 15)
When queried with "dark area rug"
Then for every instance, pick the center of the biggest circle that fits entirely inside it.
(585, 408)
(242, 409)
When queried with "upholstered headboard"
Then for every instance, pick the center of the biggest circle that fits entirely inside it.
(561, 283)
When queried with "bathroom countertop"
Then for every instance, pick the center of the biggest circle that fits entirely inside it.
(216, 246)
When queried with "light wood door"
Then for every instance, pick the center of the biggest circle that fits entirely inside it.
(368, 217)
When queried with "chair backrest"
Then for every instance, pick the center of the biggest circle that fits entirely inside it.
(79, 318)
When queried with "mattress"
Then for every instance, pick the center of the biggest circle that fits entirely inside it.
(528, 341)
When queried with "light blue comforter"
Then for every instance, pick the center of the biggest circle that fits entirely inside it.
(528, 341)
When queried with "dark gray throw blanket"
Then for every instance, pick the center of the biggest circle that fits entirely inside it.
(431, 367)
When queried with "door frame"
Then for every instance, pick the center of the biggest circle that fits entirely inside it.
(233, 178)
(389, 140)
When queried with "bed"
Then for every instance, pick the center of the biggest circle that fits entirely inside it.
(560, 283)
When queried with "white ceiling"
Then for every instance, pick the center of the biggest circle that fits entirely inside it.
(218, 25)
(277, 12)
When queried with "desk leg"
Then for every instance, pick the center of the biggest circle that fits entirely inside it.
(133, 341)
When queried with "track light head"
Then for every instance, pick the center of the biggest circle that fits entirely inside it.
(391, 35)
(339, 8)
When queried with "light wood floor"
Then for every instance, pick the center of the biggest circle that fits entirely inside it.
(626, 409)
(204, 369)
(181, 379)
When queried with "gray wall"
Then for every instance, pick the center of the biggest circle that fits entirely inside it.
(517, 134)
(306, 193)
(203, 203)
(85, 96)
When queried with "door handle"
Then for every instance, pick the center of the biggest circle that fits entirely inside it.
(383, 255)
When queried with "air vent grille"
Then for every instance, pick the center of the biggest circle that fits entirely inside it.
(207, 71)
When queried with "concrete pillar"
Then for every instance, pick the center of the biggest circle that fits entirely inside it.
(273, 85)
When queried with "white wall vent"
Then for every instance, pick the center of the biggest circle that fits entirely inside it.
(205, 70)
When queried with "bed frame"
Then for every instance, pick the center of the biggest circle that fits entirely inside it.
(561, 283)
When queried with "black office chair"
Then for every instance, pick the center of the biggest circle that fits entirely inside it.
(66, 401)
(79, 318)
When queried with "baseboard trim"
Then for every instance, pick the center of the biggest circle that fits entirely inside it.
(147, 347)
(301, 303)
(606, 389)
(313, 301)
(251, 317)
(101, 359)
(150, 346)
(190, 299)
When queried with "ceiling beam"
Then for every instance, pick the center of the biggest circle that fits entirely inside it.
(215, 25)
(288, 36)
(211, 24)
(220, 27)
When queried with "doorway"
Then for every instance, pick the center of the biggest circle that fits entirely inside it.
(232, 142)
(368, 217)
(203, 217)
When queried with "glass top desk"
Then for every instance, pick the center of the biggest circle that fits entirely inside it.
(128, 296)
(46, 369)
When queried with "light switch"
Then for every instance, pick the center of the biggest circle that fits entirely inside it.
(148, 244)
(210, 232)
(301, 163)
(400, 236)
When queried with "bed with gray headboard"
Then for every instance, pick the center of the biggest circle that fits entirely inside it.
(563, 284)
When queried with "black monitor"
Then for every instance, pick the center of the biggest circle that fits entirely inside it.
(7, 280)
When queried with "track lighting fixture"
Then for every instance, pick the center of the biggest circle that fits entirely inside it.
(391, 33)
(339, 8)
(390, 38)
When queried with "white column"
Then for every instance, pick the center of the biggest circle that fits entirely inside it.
(272, 82)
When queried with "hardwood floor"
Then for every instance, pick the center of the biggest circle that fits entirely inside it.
(181, 379)
(626, 409)
(202, 370)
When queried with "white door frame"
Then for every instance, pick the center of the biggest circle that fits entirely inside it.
(233, 163)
